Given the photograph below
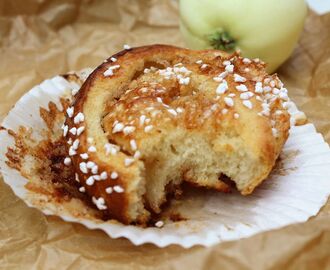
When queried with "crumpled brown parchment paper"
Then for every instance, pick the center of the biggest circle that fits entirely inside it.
(42, 38)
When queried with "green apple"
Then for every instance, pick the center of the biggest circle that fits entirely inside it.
(265, 29)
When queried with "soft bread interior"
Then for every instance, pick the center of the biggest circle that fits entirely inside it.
(181, 155)
(175, 156)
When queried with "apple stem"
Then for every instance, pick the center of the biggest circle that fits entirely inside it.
(221, 40)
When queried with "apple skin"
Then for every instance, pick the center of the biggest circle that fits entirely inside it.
(265, 29)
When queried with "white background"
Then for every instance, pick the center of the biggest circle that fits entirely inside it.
(319, 6)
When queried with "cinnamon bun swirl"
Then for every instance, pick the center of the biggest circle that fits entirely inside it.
(151, 117)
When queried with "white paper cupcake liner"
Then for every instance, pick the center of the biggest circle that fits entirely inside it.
(295, 191)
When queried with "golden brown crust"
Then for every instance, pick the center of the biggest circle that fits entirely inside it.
(139, 81)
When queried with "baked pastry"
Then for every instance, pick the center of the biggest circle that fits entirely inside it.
(151, 117)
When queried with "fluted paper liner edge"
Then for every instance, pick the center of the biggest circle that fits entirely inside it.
(295, 191)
